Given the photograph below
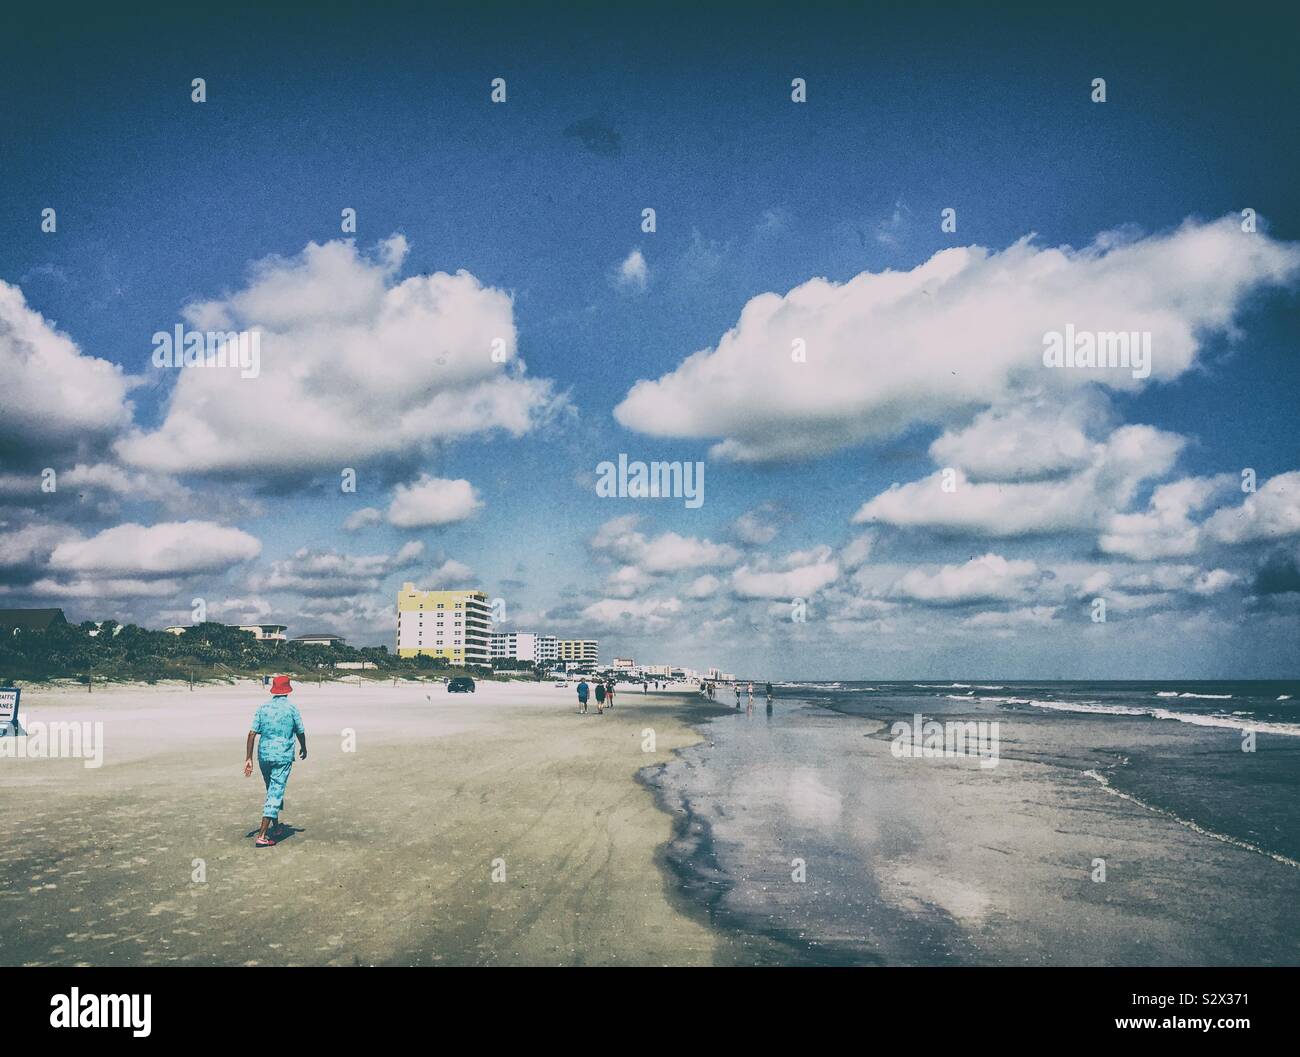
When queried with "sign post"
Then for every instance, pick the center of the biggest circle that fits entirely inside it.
(9, 725)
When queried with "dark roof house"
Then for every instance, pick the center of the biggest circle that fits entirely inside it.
(13, 621)
(321, 638)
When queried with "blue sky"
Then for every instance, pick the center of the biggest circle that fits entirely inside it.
(163, 203)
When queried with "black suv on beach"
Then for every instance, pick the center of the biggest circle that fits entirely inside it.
(462, 684)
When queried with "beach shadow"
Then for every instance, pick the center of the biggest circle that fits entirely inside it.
(280, 836)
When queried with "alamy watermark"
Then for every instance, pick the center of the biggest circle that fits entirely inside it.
(653, 480)
(209, 348)
(930, 739)
(1098, 350)
(57, 741)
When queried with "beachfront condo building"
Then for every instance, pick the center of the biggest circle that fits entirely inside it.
(524, 646)
(456, 625)
(579, 651)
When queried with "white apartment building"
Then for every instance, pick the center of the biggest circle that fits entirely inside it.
(524, 646)
(455, 625)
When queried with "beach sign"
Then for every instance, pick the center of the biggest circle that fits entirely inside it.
(9, 710)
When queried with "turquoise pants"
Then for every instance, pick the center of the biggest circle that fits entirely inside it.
(275, 774)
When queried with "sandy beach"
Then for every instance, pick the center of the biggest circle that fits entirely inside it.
(397, 841)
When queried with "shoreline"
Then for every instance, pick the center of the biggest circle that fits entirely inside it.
(917, 862)
(398, 844)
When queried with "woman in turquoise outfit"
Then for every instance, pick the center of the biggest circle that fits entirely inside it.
(277, 722)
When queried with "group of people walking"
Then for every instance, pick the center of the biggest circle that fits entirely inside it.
(604, 694)
(710, 690)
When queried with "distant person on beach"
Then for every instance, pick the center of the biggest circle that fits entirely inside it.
(769, 692)
(583, 689)
(600, 699)
(645, 686)
(609, 694)
(277, 722)
(737, 695)
(751, 691)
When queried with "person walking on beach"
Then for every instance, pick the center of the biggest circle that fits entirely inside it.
(600, 699)
(609, 694)
(583, 688)
(277, 722)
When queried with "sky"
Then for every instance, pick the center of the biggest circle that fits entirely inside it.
(896, 485)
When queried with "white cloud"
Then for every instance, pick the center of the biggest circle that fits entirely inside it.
(800, 574)
(1270, 513)
(644, 612)
(103, 589)
(627, 581)
(329, 574)
(988, 578)
(961, 332)
(1011, 619)
(1165, 529)
(55, 397)
(705, 586)
(450, 573)
(1083, 501)
(155, 550)
(355, 364)
(29, 546)
(858, 550)
(1020, 443)
(668, 552)
(237, 611)
(432, 501)
(634, 271)
(363, 518)
(1144, 585)
(753, 527)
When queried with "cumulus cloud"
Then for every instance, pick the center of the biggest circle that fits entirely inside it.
(1270, 513)
(329, 574)
(627, 581)
(799, 574)
(754, 527)
(988, 578)
(168, 548)
(961, 332)
(1013, 619)
(1082, 501)
(1165, 529)
(1024, 442)
(668, 552)
(432, 501)
(1148, 586)
(362, 519)
(705, 586)
(28, 547)
(633, 272)
(858, 550)
(56, 397)
(98, 590)
(645, 613)
(355, 364)
(450, 573)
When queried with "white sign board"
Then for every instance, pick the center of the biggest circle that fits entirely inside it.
(8, 705)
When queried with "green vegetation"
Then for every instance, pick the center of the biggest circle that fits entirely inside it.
(205, 652)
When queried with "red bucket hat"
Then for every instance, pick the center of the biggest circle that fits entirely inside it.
(280, 686)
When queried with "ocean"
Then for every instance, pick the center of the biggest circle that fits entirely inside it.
(1133, 823)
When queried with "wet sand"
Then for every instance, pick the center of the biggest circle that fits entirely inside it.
(942, 862)
(393, 858)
